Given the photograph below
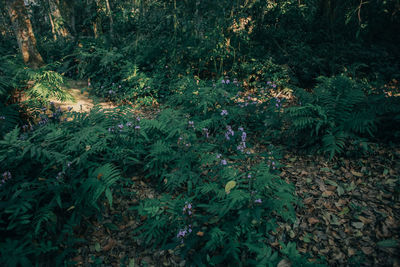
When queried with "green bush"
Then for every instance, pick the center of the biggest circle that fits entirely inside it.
(335, 113)
(53, 176)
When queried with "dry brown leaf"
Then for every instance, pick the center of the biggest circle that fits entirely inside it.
(358, 174)
(111, 243)
(313, 220)
(367, 250)
(308, 200)
(328, 193)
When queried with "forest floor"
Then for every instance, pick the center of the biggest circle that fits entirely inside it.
(349, 213)
(83, 101)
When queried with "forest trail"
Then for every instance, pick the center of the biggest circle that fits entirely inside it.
(83, 100)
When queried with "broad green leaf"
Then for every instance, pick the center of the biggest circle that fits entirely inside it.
(229, 186)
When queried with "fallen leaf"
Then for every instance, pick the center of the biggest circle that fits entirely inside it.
(367, 250)
(358, 174)
(328, 193)
(313, 220)
(109, 245)
(308, 200)
(357, 225)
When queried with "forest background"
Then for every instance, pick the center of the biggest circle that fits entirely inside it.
(313, 77)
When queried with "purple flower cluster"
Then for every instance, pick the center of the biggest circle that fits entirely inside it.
(224, 112)
(121, 126)
(227, 81)
(272, 164)
(6, 176)
(60, 175)
(229, 132)
(271, 84)
(278, 103)
(242, 145)
(188, 208)
(259, 201)
(183, 232)
(223, 161)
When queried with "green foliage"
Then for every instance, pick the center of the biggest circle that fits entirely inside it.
(45, 84)
(331, 116)
(53, 177)
(209, 222)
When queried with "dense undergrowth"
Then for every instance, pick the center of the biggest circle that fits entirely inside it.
(236, 83)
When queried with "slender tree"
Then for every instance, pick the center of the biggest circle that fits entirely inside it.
(57, 21)
(22, 28)
(109, 12)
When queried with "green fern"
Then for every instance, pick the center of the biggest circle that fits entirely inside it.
(332, 115)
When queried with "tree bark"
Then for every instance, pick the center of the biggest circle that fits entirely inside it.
(23, 32)
(53, 30)
(111, 19)
(57, 19)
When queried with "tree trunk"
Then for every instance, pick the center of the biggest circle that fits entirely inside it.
(67, 8)
(111, 19)
(57, 19)
(53, 30)
(23, 32)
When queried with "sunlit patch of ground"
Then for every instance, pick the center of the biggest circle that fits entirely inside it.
(83, 102)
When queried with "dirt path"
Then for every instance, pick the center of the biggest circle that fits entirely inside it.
(83, 101)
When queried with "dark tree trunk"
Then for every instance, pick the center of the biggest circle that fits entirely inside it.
(23, 32)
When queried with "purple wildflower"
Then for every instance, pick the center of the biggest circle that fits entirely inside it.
(137, 127)
(223, 81)
(129, 124)
(227, 81)
(258, 201)
(121, 126)
(244, 135)
(224, 112)
(223, 162)
(218, 156)
(6, 175)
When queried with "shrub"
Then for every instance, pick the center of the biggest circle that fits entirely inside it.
(335, 113)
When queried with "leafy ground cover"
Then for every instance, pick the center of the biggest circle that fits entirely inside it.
(205, 133)
(348, 214)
